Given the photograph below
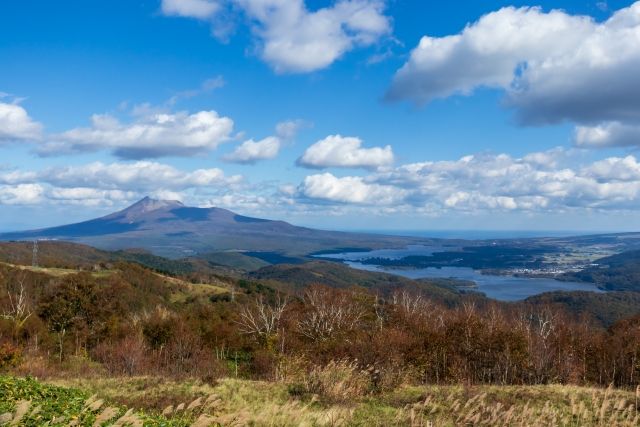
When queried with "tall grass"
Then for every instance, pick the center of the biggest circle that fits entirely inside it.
(233, 402)
(595, 409)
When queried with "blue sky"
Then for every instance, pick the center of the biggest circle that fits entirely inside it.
(527, 119)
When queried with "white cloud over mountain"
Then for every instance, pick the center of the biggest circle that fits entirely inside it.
(87, 184)
(137, 176)
(552, 66)
(148, 136)
(293, 39)
(553, 181)
(345, 152)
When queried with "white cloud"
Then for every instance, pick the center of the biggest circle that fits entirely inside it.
(138, 176)
(608, 134)
(293, 39)
(288, 129)
(15, 124)
(22, 194)
(350, 189)
(474, 184)
(252, 151)
(84, 196)
(615, 169)
(152, 135)
(200, 9)
(489, 183)
(98, 183)
(340, 151)
(553, 66)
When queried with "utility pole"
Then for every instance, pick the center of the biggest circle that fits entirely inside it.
(34, 260)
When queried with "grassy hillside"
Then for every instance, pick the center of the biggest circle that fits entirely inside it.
(231, 402)
(53, 254)
(337, 275)
(74, 256)
(235, 260)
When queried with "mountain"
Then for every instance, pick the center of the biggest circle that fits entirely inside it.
(171, 229)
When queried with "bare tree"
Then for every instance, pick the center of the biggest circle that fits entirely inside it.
(414, 305)
(545, 325)
(329, 312)
(262, 320)
(379, 311)
(18, 311)
(538, 328)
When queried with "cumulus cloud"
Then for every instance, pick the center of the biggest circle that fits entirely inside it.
(487, 183)
(345, 152)
(114, 184)
(15, 124)
(252, 151)
(149, 136)
(22, 194)
(293, 39)
(350, 189)
(553, 66)
(474, 184)
(85, 196)
(137, 176)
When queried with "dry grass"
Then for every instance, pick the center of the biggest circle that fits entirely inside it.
(188, 290)
(535, 406)
(238, 402)
(229, 403)
(338, 381)
(57, 272)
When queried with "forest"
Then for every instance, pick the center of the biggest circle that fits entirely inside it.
(129, 320)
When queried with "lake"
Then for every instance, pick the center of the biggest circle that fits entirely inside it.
(504, 288)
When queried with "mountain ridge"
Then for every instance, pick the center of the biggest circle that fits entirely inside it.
(172, 229)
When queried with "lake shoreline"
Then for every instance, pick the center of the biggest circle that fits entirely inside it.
(503, 286)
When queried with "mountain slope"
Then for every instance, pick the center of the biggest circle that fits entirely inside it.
(171, 229)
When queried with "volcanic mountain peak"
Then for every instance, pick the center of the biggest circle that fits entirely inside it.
(146, 206)
(169, 228)
(149, 205)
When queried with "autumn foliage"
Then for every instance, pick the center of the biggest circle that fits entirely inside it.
(319, 339)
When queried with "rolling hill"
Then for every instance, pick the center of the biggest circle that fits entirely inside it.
(171, 229)
(620, 272)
